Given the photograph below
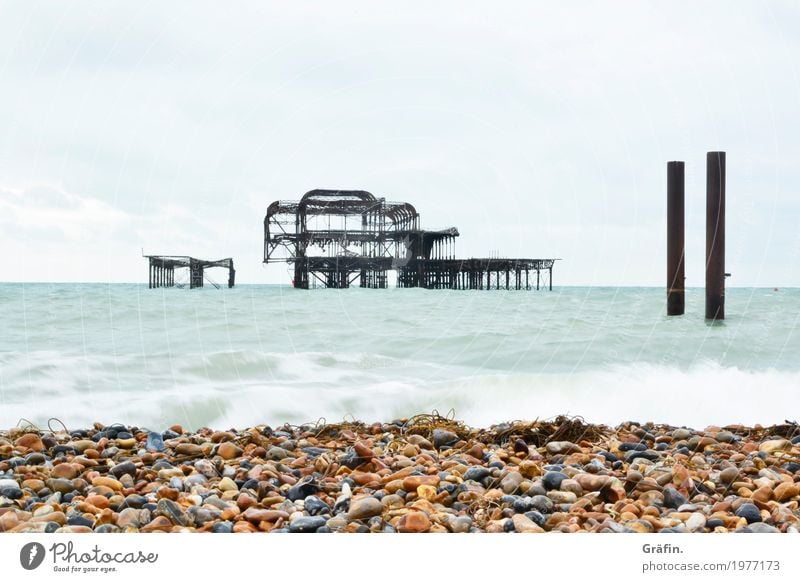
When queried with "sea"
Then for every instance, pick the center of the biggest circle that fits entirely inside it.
(251, 355)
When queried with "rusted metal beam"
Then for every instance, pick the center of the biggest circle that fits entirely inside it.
(715, 236)
(675, 239)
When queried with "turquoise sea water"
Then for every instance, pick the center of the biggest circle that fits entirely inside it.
(271, 354)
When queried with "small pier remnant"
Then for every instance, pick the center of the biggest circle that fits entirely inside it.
(162, 270)
(337, 237)
(715, 236)
(675, 239)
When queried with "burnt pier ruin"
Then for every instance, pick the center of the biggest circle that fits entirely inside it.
(162, 271)
(335, 238)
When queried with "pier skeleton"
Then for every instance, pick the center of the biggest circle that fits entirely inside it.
(162, 270)
(337, 237)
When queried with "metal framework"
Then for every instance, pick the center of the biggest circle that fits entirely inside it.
(336, 237)
(162, 270)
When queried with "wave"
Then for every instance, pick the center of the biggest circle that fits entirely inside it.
(369, 388)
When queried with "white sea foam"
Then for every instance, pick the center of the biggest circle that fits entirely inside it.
(264, 355)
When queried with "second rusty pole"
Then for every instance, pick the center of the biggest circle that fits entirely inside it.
(715, 236)
(675, 238)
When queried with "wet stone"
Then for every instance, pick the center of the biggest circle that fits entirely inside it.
(134, 501)
(172, 511)
(306, 524)
(277, 454)
(364, 508)
(154, 442)
(672, 498)
(222, 527)
(11, 493)
(315, 506)
(124, 468)
(476, 473)
(542, 503)
(536, 518)
(302, 490)
(461, 524)
(625, 447)
(553, 479)
(750, 512)
(511, 482)
(80, 520)
(444, 438)
(681, 434)
(758, 527)
(646, 454)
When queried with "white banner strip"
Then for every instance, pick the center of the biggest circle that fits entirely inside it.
(388, 557)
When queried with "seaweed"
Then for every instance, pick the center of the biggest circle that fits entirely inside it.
(540, 432)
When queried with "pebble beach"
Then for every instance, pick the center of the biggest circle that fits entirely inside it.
(429, 473)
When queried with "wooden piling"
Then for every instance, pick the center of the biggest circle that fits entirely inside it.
(715, 236)
(675, 239)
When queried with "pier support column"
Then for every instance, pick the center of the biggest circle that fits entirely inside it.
(195, 274)
(715, 236)
(675, 238)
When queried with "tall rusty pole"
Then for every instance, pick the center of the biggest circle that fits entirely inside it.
(675, 238)
(715, 236)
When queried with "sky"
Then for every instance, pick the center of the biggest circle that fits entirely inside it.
(539, 129)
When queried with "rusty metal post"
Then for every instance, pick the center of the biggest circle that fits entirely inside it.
(675, 238)
(715, 236)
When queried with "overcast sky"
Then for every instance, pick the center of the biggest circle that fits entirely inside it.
(539, 129)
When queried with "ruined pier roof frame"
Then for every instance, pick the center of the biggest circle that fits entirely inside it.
(290, 224)
(334, 237)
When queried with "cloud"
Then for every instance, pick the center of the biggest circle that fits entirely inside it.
(47, 212)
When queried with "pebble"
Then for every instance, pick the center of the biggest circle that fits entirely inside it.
(728, 475)
(315, 506)
(750, 512)
(774, 446)
(172, 511)
(542, 503)
(307, 524)
(562, 448)
(222, 527)
(414, 522)
(364, 508)
(696, 522)
(511, 482)
(228, 451)
(523, 524)
(460, 524)
(444, 438)
(30, 441)
(758, 527)
(154, 442)
(672, 498)
(476, 474)
(553, 479)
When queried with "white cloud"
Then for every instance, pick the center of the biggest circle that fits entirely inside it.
(48, 212)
